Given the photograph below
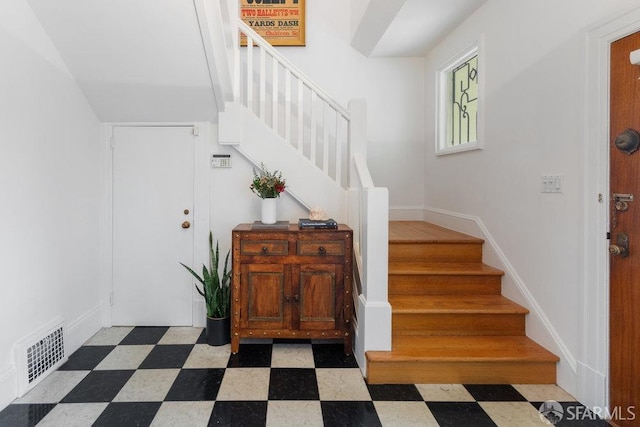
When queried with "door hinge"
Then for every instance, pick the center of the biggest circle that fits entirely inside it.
(608, 235)
(111, 298)
(195, 130)
(111, 142)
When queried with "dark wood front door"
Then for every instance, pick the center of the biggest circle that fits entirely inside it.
(624, 280)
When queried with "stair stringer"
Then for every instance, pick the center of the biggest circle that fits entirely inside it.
(257, 142)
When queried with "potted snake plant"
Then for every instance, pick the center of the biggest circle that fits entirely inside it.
(216, 291)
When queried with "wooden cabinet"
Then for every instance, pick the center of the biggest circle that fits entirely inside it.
(291, 283)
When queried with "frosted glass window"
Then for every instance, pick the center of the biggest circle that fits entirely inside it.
(459, 91)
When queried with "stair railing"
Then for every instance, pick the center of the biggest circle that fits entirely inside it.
(292, 105)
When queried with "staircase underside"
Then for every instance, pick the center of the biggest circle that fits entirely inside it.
(450, 322)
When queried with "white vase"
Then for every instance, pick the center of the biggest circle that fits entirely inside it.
(269, 209)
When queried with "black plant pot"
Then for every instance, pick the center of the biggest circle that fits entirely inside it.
(218, 330)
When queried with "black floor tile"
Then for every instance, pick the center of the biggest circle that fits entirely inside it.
(24, 415)
(251, 356)
(332, 356)
(87, 358)
(456, 414)
(128, 414)
(196, 385)
(167, 356)
(349, 414)
(494, 393)
(287, 341)
(293, 384)
(202, 338)
(394, 392)
(142, 335)
(98, 386)
(571, 414)
(244, 413)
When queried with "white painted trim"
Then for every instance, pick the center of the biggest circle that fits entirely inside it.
(594, 297)
(372, 331)
(84, 327)
(8, 386)
(469, 223)
(201, 208)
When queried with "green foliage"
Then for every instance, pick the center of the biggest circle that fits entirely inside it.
(216, 290)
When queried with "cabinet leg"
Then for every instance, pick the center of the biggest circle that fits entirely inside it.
(348, 346)
(235, 344)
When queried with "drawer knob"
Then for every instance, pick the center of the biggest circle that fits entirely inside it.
(322, 250)
(265, 250)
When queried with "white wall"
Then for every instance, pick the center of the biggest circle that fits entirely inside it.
(48, 192)
(393, 88)
(534, 118)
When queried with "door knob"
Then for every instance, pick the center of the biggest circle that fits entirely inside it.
(621, 248)
(617, 250)
(628, 141)
(186, 224)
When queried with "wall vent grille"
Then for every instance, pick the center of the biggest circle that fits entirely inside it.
(39, 355)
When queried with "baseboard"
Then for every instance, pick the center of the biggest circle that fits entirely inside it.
(83, 328)
(406, 213)
(8, 386)
(539, 326)
(592, 387)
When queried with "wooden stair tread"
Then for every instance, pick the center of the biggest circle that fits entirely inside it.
(467, 304)
(442, 268)
(463, 349)
(424, 232)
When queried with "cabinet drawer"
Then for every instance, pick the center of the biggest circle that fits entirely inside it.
(321, 248)
(264, 247)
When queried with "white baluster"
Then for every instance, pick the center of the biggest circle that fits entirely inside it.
(314, 137)
(262, 77)
(250, 73)
(300, 115)
(287, 105)
(275, 95)
(325, 143)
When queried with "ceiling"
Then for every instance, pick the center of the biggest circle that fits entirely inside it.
(420, 24)
(144, 60)
(135, 60)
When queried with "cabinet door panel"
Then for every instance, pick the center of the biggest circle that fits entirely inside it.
(263, 296)
(318, 286)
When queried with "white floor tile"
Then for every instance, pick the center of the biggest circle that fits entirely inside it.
(177, 414)
(53, 388)
(245, 384)
(181, 335)
(73, 415)
(294, 413)
(405, 414)
(342, 384)
(147, 385)
(125, 357)
(110, 336)
(207, 356)
(292, 356)
(444, 393)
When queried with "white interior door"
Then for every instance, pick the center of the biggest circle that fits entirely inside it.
(153, 197)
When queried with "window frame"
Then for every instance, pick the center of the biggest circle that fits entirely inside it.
(442, 100)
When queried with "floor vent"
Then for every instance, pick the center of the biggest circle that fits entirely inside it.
(39, 355)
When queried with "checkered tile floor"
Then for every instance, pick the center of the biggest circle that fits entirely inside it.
(169, 377)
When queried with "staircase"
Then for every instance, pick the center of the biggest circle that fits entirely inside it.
(450, 323)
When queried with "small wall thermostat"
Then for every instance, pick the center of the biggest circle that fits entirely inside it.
(221, 160)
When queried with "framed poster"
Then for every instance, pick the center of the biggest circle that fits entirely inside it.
(280, 22)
